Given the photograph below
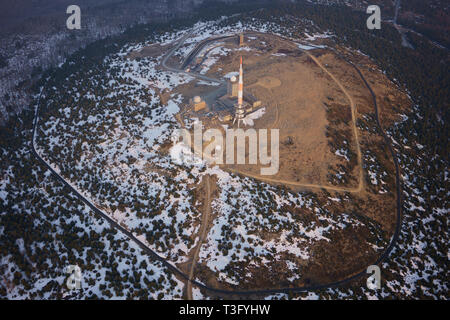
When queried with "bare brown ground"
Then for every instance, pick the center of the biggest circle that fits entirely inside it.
(293, 90)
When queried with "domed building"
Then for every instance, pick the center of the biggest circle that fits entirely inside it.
(198, 104)
(233, 87)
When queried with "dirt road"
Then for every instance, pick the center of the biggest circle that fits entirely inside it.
(360, 186)
(203, 229)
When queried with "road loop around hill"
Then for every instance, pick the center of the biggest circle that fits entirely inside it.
(171, 267)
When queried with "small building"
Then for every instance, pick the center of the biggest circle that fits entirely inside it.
(233, 87)
(224, 116)
(198, 104)
(256, 104)
(241, 40)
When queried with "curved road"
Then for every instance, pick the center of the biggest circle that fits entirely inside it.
(177, 271)
(177, 70)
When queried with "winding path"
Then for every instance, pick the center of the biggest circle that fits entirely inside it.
(204, 228)
(188, 278)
